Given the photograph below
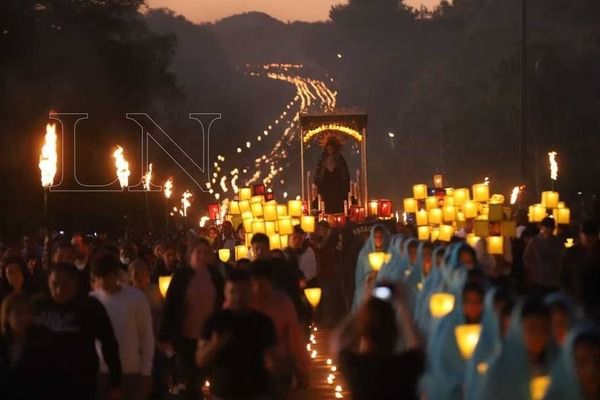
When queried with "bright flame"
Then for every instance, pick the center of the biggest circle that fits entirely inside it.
(203, 221)
(48, 158)
(122, 167)
(515, 195)
(186, 202)
(168, 188)
(148, 178)
(486, 181)
(553, 165)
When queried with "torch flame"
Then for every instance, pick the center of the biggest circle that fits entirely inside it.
(515, 195)
(168, 188)
(48, 158)
(148, 178)
(486, 181)
(122, 167)
(553, 165)
(186, 202)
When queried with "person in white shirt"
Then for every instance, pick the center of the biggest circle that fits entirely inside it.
(131, 318)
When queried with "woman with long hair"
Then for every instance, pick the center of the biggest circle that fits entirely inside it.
(332, 176)
(15, 276)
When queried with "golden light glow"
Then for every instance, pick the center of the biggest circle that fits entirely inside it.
(295, 208)
(313, 295)
(423, 232)
(48, 157)
(307, 223)
(420, 191)
(186, 199)
(482, 368)
(163, 284)
(241, 252)
(472, 239)
(539, 386)
(352, 133)
(569, 243)
(224, 255)
(514, 196)
(122, 167)
(421, 218)
(481, 192)
(553, 165)
(376, 259)
(168, 188)
(446, 232)
(410, 205)
(467, 337)
(441, 304)
(148, 178)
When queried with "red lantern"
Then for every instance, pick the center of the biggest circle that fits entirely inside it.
(270, 196)
(357, 213)
(258, 190)
(385, 209)
(213, 211)
(340, 220)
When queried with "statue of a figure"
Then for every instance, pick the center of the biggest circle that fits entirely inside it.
(332, 177)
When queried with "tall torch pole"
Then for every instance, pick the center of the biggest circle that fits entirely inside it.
(123, 175)
(48, 166)
(168, 190)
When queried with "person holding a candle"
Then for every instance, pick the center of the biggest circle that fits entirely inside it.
(332, 176)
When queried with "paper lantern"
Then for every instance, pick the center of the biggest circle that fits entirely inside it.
(509, 229)
(484, 209)
(423, 232)
(467, 337)
(213, 211)
(530, 214)
(446, 232)
(481, 192)
(496, 212)
(410, 205)
(274, 242)
(376, 259)
(285, 226)
(450, 192)
(248, 224)
(569, 243)
(357, 213)
(435, 216)
(495, 245)
(234, 208)
(460, 196)
(561, 204)
(431, 202)
(434, 234)
(539, 386)
(241, 252)
(257, 209)
(281, 210)
(448, 201)
(438, 181)
(295, 208)
(449, 213)
(307, 223)
(420, 192)
(385, 209)
(249, 236)
(258, 190)
(421, 217)
(245, 193)
(472, 240)
(563, 216)
(460, 216)
(440, 304)
(339, 220)
(481, 228)
(470, 209)
(374, 208)
(497, 199)
(284, 241)
(550, 199)
(163, 284)
(258, 226)
(270, 228)
(539, 212)
(313, 295)
(245, 207)
(256, 199)
(224, 255)
(270, 212)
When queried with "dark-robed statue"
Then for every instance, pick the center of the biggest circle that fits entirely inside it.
(332, 177)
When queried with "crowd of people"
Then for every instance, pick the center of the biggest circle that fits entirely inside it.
(85, 316)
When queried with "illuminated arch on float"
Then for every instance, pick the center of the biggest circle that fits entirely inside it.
(349, 122)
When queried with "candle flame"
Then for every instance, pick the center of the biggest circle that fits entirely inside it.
(122, 167)
(48, 157)
(186, 202)
(168, 188)
(553, 165)
(148, 178)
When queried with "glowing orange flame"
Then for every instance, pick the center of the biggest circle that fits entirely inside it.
(48, 157)
(553, 165)
(168, 188)
(122, 167)
(148, 178)
(186, 202)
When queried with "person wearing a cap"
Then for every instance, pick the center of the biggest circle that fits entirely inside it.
(583, 255)
(542, 259)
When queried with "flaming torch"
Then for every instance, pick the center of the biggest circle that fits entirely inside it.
(168, 191)
(123, 175)
(48, 163)
(147, 180)
(186, 199)
(553, 167)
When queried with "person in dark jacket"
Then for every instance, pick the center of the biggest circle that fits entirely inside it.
(195, 292)
(77, 321)
(577, 259)
(26, 352)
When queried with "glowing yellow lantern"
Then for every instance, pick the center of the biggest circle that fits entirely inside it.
(460, 216)
(539, 212)
(245, 193)
(495, 245)
(270, 228)
(234, 208)
(423, 232)
(420, 192)
(539, 386)
(450, 193)
(307, 223)
(470, 209)
(435, 234)
(270, 212)
(245, 207)
(481, 228)
(440, 304)
(446, 232)
(284, 241)
(496, 212)
(241, 252)
(448, 201)
(422, 218)
(435, 216)
(248, 224)
(509, 229)
(295, 208)
(460, 196)
(449, 213)
(257, 209)
(431, 202)
(563, 216)
(550, 199)
(256, 199)
(249, 236)
(163, 284)
(281, 210)
(285, 226)
(467, 337)
(481, 192)
(497, 199)
(374, 208)
(472, 240)
(530, 215)
(313, 295)
(275, 242)
(376, 259)
(561, 204)
(410, 205)
(258, 226)
(569, 243)
(224, 255)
